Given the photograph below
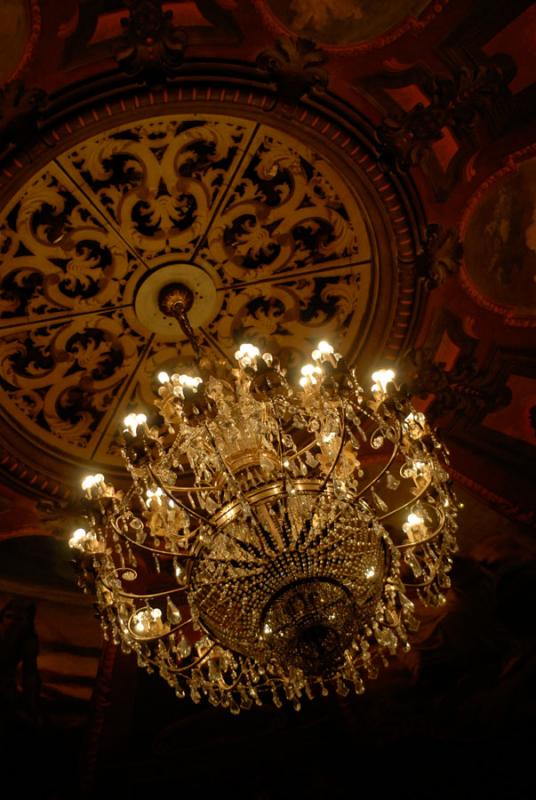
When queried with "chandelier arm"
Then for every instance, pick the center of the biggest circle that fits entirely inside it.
(131, 596)
(298, 453)
(123, 535)
(408, 503)
(188, 489)
(433, 536)
(160, 635)
(180, 670)
(184, 507)
(423, 584)
(230, 687)
(361, 492)
(426, 583)
(148, 548)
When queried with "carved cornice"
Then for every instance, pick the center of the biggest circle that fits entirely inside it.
(456, 102)
(526, 516)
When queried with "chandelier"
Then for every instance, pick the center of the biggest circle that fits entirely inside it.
(274, 538)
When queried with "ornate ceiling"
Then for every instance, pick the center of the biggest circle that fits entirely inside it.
(356, 171)
(288, 242)
(294, 229)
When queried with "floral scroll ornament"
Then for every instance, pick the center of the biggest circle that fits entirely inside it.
(294, 66)
(154, 45)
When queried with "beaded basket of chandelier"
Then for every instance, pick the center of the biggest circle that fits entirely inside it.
(274, 538)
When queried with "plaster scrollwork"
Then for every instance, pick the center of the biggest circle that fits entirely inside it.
(296, 313)
(159, 181)
(287, 210)
(62, 377)
(80, 267)
(275, 226)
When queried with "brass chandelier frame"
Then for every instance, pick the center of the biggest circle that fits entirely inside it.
(264, 562)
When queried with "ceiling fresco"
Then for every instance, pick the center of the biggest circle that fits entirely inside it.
(15, 35)
(500, 242)
(336, 22)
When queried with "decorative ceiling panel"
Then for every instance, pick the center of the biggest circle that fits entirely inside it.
(159, 182)
(278, 229)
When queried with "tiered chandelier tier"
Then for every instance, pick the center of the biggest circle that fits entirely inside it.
(274, 538)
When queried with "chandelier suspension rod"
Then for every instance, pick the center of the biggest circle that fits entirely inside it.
(175, 301)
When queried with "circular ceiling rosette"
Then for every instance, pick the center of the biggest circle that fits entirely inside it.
(290, 238)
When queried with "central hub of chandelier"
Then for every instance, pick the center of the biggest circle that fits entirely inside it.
(274, 537)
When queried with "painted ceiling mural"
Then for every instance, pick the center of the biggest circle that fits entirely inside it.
(343, 22)
(20, 26)
(500, 242)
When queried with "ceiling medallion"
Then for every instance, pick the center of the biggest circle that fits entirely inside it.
(268, 232)
(274, 537)
(198, 283)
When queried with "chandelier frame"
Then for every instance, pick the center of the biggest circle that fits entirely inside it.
(254, 495)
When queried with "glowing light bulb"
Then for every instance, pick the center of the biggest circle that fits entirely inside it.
(309, 371)
(163, 377)
(325, 348)
(381, 378)
(415, 520)
(91, 480)
(139, 626)
(77, 537)
(189, 381)
(155, 494)
(133, 421)
(247, 354)
(370, 572)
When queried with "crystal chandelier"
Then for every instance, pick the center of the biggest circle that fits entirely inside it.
(273, 538)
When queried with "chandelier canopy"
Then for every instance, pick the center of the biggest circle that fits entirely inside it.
(274, 537)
